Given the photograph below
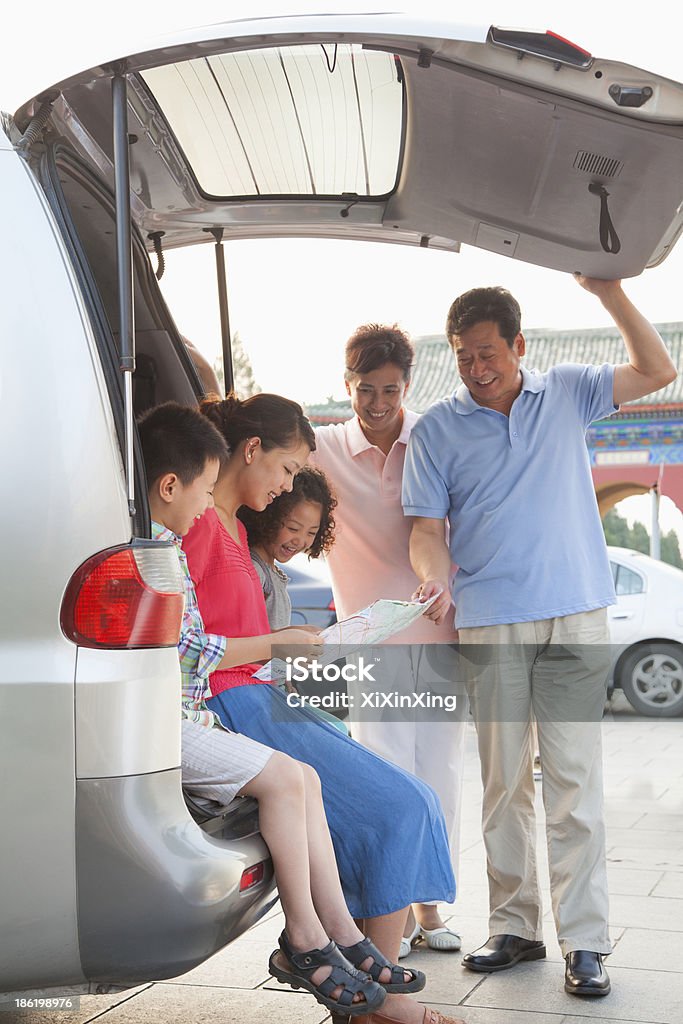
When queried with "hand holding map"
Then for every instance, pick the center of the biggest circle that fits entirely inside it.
(371, 625)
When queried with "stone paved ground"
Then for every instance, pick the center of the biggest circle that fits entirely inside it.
(644, 809)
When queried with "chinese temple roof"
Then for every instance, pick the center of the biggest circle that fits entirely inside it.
(435, 374)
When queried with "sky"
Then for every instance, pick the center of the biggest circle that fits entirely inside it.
(295, 302)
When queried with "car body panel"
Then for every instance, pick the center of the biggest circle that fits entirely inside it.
(646, 629)
(310, 593)
(656, 612)
(50, 466)
(127, 720)
(165, 919)
(63, 500)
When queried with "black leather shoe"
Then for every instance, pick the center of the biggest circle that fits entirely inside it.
(585, 975)
(502, 952)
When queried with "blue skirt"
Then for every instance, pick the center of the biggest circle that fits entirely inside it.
(387, 826)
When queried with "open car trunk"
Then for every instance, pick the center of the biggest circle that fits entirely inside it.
(384, 127)
(368, 126)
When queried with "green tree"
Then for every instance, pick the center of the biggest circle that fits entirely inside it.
(245, 381)
(640, 538)
(670, 549)
(619, 534)
(616, 529)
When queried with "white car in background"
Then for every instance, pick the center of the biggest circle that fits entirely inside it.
(646, 624)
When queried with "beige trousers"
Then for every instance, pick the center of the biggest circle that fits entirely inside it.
(553, 670)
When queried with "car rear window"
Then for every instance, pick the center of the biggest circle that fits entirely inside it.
(305, 120)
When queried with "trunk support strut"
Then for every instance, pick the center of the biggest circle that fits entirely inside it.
(124, 259)
(228, 371)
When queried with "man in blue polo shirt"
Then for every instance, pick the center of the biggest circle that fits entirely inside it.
(504, 457)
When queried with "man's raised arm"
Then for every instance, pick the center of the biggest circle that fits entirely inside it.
(431, 562)
(650, 367)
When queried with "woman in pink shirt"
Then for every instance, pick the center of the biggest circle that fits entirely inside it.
(363, 460)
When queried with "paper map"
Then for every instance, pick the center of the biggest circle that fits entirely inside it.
(371, 625)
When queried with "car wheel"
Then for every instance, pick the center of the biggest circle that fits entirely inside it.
(651, 676)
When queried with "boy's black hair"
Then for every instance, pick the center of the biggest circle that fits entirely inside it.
(309, 485)
(178, 439)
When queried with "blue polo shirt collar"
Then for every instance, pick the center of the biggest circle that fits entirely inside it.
(465, 405)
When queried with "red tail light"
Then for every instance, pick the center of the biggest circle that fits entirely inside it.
(129, 596)
(252, 876)
(331, 607)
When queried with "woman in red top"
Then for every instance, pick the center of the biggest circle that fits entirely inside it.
(386, 825)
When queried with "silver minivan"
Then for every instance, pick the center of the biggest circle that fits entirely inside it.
(367, 126)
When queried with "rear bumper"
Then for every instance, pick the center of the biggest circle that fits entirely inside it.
(156, 894)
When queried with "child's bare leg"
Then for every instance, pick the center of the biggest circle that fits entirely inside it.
(281, 794)
(328, 896)
(280, 791)
(326, 890)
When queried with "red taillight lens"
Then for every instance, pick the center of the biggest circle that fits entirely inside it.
(331, 607)
(126, 597)
(252, 876)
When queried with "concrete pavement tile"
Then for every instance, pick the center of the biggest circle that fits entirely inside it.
(479, 1015)
(622, 764)
(645, 911)
(266, 931)
(239, 965)
(635, 996)
(646, 839)
(447, 980)
(668, 760)
(665, 803)
(665, 822)
(208, 1005)
(627, 818)
(475, 854)
(648, 950)
(604, 1020)
(671, 885)
(633, 881)
(471, 822)
(473, 902)
(633, 856)
(636, 787)
(90, 1007)
(472, 839)
(672, 799)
